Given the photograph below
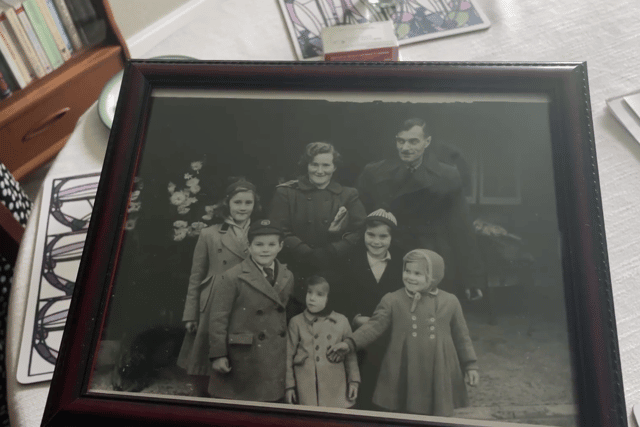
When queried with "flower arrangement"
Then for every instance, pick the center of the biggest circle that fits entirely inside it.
(184, 199)
(135, 204)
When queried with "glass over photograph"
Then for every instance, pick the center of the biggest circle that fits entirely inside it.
(392, 255)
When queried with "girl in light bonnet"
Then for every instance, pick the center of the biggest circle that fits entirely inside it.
(430, 355)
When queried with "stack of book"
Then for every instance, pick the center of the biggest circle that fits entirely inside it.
(39, 36)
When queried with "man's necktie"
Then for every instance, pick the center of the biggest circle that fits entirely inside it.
(270, 276)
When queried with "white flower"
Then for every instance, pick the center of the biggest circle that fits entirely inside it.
(130, 224)
(187, 176)
(198, 225)
(180, 234)
(178, 198)
(207, 217)
(134, 206)
(189, 201)
(194, 189)
(135, 195)
(171, 187)
(209, 209)
(183, 210)
(192, 182)
(196, 166)
(180, 224)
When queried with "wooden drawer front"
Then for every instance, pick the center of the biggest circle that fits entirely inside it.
(33, 135)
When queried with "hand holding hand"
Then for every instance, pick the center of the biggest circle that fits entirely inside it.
(472, 377)
(353, 391)
(340, 221)
(290, 396)
(337, 352)
(191, 327)
(221, 365)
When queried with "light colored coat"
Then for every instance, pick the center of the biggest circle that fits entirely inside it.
(248, 325)
(216, 251)
(318, 381)
(421, 371)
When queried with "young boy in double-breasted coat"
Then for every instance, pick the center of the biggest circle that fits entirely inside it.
(248, 325)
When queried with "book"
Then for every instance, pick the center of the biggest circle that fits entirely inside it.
(23, 39)
(91, 27)
(16, 5)
(53, 29)
(43, 33)
(33, 38)
(8, 75)
(12, 41)
(58, 21)
(5, 91)
(67, 22)
(10, 52)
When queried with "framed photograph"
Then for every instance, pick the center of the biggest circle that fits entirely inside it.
(345, 244)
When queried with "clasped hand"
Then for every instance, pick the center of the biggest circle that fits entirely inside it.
(337, 352)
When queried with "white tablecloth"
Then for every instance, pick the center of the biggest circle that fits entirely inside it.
(605, 34)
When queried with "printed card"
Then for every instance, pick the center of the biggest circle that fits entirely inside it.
(67, 203)
(414, 20)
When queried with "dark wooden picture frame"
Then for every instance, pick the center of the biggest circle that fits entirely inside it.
(586, 304)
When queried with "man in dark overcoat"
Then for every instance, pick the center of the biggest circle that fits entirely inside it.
(426, 196)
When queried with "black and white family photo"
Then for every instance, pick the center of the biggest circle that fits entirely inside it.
(385, 253)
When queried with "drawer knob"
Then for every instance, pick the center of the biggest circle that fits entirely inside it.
(45, 124)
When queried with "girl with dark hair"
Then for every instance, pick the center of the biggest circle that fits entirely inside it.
(219, 248)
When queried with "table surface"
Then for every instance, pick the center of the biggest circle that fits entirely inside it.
(604, 34)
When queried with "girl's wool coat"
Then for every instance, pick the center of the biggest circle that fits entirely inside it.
(248, 325)
(422, 370)
(216, 251)
(317, 381)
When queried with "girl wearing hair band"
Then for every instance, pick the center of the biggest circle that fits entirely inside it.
(430, 355)
(219, 248)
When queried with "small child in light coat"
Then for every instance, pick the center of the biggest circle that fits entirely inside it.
(430, 355)
(312, 379)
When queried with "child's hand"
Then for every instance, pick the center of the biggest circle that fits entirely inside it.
(472, 377)
(191, 327)
(221, 365)
(290, 396)
(337, 352)
(353, 391)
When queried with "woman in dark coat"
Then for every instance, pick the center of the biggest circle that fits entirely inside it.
(321, 219)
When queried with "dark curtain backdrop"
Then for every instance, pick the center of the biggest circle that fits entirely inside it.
(263, 140)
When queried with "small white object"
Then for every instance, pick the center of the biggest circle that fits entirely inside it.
(625, 109)
(371, 41)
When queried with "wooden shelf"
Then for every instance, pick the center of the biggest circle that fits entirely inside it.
(28, 98)
(35, 122)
